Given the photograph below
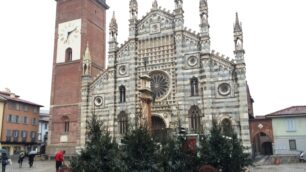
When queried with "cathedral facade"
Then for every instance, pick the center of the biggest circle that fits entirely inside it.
(191, 84)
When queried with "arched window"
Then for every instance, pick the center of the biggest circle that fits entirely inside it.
(123, 122)
(122, 94)
(66, 121)
(195, 118)
(226, 126)
(194, 86)
(68, 55)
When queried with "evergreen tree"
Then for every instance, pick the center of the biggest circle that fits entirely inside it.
(175, 156)
(139, 151)
(223, 150)
(100, 152)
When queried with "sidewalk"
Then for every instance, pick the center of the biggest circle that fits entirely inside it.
(296, 167)
(38, 166)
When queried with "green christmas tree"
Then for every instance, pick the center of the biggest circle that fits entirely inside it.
(139, 151)
(223, 150)
(100, 152)
(175, 156)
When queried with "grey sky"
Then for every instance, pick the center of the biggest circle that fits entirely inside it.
(274, 35)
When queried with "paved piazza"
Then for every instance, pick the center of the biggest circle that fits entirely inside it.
(49, 166)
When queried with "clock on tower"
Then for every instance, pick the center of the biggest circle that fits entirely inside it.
(69, 41)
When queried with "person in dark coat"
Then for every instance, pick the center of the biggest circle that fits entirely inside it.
(31, 159)
(4, 160)
(20, 158)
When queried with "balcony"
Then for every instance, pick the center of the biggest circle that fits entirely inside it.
(8, 138)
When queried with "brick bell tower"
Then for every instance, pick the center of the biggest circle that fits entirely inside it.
(79, 27)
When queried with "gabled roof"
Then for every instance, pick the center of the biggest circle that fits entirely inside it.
(2, 98)
(290, 111)
(7, 96)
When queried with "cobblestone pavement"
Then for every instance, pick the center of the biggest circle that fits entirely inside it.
(38, 166)
(301, 167)
(49, 166)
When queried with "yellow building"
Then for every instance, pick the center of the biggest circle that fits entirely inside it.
(2, 105)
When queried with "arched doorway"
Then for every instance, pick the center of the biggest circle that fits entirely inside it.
(263, 144)
(267, 148)
(158, 127)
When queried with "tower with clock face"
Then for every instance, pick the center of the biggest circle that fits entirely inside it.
(80, 27)
(69, 41)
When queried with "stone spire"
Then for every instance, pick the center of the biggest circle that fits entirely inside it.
(112, 43)
(204, 27)
(113, 29)
(154, 4)
(133, 18)
(238, 40)
(237, 25)
(133, 9)
(179, 15)
(87, 62)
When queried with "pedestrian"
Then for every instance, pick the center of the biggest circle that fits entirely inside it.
(301, 157)
(59, 160)
(20, 158)
(31, 159)
(5, 161)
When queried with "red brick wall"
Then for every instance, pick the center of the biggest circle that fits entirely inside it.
(66, 77)
(267, 128)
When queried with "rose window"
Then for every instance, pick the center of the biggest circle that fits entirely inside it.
(224, 89)
(159, 84)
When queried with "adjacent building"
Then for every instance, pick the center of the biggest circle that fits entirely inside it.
(19, 122)
(289, 130)
(43, 126)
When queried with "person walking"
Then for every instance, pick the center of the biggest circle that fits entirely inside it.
(59, 160)
(4, 160)
(20, 158)
(31, 158)
(301, 157)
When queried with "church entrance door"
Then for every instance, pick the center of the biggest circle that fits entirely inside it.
(158, 127)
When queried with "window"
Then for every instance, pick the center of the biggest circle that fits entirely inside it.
(46, 126)
(122, 94)
(17, 106)
(33, 136)
(25, 108)
(10, 118)
(25, 120)
(291, 125)
(194, 86)
(226, 126)
(68, 55)
(66, 124)
(195, 118)
(24, 135)
(15, 135)
(292, 144)
(17, 119)
(34, 121)
(123, 122)
(66, 130)
(35, 110)
(8, 135)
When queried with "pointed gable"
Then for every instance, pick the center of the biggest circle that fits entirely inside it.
(155, 21)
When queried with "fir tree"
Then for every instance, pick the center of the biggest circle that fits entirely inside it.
(175, 156)
(223, 150)
(100, 152)
(139, 151)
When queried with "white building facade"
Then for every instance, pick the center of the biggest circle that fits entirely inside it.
(192, 84)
